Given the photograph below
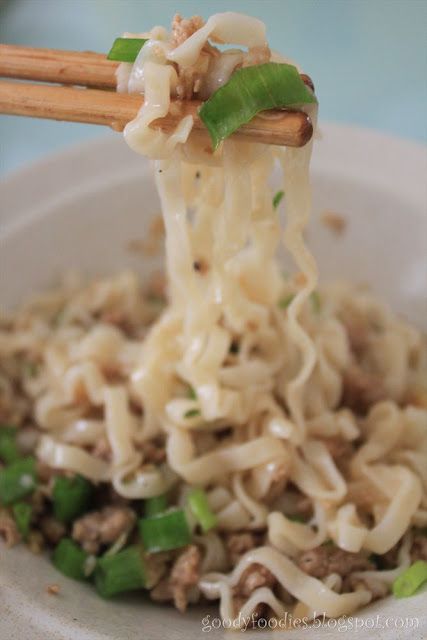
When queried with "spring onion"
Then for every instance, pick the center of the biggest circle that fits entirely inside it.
(316, 302)
(71, 497)
(192, 393)
(249, 91)
(278, 198)
(192, 413)
(198, 503)
(297, 518)
(17, 480)
(126, 49)
(167, 530)
(410, 580)
(286, 301)
(9, 451)
(22, 512)
(70, 559)
(153, 506)
(125, 571)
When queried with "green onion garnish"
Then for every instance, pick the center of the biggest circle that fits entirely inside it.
(31, 369)
(286, 301)
(278, 198)
(201, 510)
(410, 580)
(126, 49)
(316, 301)
(191, 413)
(249, 91)
(192, 393)
(297, 518)
(17, 480)
(70, 559)
(9, 451)
(168, 530)
(22, 512)
(71, 497)
(153, 506)
(122, 572)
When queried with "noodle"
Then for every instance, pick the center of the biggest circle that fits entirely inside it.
(293, 410)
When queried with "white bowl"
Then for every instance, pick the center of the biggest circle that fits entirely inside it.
(80, 209)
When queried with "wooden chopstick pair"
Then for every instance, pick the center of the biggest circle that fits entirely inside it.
(89, 100)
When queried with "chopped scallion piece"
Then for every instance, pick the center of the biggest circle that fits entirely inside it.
(316, 301)
(22, 512)
(192, 393)
(286, 301)
(126, 49)
(198, 502)
(70, 559)
(122, 572)
(9, 451)
(297, 518)
(278, 198)
(191, 413)
(167, 530)
(17, 480)
(249, 91)
(71, 497)
(410, 580)
(153, 506)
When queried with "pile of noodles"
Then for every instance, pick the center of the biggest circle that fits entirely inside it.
(279, 393)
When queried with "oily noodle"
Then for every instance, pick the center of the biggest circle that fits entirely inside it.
(218, 212)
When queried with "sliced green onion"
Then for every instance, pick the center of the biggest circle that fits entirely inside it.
(198, 502)
(249, 91)
(9, 451)
(278, 198)
(168, 530)
(71, 497)
(191, 413)
(125, 571)
(126, 49)
(153, 506)
(316, 301)
(17, 480)
(22, 512)
(286, 301)
(70, 559)
(31, 369)
(192, 393)
(410, 580)
(297, 518)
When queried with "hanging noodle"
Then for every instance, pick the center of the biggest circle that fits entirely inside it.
(315, 411)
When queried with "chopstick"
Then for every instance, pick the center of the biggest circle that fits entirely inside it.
(96, 106)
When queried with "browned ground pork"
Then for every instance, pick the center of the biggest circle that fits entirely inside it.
(102, 527)
(8, 529)
(324, 560)
(184, 575)
(361, 389)
(254, 577)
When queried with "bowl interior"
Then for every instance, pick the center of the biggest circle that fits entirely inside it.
(82, 208)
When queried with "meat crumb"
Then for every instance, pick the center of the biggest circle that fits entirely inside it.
(419, 548)
(324, 560)
(102, 527)
(253, 577)
(362, 389)
(183, 28)
(184, 575)
(53, 589)
(238, 543)
(334, 221)
(8, 529)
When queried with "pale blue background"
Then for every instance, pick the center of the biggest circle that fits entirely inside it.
(368, 58)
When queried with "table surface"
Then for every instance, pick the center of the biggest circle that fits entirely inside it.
(368, 58)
